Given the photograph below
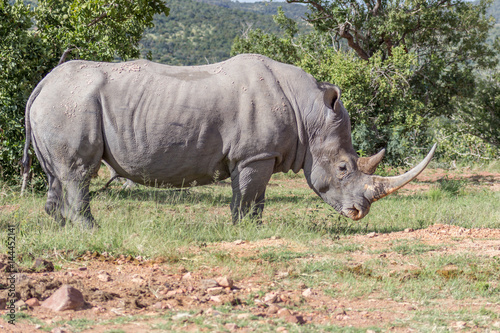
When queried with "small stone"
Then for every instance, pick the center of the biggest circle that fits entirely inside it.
(65, 298)
(370, 331)
(239, 242)
(295, 319)
(208, 283)
(225, 282)
(215, 291)
(181, 316)
(82, 268)
(231, 326)
(187, 276)
(281, 329)
(42, 265)
(21, 305)
(216, 299)
(283, 275)
(58, 330)
(282, 313)
(275, 237)
(104, 277)
(496, 324)
(273, 309)
(307, 293)
(409, 230)
(32, 302)
(137, 279)
(270, 298)
(99, 309)
(371, 235)
(243, 316)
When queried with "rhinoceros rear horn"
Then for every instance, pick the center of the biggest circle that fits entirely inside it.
(382, 186)
(368, 165)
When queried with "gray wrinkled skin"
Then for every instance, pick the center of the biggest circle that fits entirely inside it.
(245, 118)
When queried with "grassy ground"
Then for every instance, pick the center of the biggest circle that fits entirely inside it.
(321, 249)
(156, 222)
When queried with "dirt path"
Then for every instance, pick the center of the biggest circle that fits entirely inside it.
(125, 287)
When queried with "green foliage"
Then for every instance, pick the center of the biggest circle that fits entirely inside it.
(399, 64)
(375, 92)
(455, 144)
(480, 114)
(86, 29)
(22, 65)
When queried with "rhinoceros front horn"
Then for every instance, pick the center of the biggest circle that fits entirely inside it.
(382, 186)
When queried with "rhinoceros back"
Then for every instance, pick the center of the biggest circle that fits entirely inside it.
(180, 125)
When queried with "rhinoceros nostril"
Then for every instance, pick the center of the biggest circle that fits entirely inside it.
(354, 213)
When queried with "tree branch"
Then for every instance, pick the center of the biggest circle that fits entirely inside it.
(376, 8)
(98, 19)
(65, 54)
(344, 33)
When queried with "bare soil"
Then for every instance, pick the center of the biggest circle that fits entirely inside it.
(122, 286)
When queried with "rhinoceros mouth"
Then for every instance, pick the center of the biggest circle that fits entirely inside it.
(356, 212)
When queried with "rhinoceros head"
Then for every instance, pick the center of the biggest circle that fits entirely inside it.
(335, 171)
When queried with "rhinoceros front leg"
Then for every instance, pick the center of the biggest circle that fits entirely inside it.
(249, 181)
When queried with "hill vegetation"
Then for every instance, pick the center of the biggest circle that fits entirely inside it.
(494, 11)
(202, 31)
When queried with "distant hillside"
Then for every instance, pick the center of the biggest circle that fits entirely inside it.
(294, 11)
(202, 31)
(494, 11)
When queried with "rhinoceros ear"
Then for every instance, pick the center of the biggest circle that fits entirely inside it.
(332, 97)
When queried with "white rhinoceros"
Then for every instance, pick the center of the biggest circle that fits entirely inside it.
(244, 118)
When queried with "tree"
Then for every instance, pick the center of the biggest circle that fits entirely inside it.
(399, 63)
(486, 123)
(35, 40)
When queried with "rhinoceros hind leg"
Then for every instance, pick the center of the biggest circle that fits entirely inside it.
(77, 203)
(53, 206)
(249, 187)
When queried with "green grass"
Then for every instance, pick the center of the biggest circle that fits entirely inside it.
(159, 222)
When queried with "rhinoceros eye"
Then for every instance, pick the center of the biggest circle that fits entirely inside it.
(342, 170)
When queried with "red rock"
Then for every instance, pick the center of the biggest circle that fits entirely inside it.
(273, 309)
(65, 298)
(231, 326)
(282, 313)
(208, 283)
(225, 282)
(307, 293)
(104, 277)
(32, 302)
(215, 291)
(295, 319)
(270, 298)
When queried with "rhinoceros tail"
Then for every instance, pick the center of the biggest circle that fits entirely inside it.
(26, 161)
